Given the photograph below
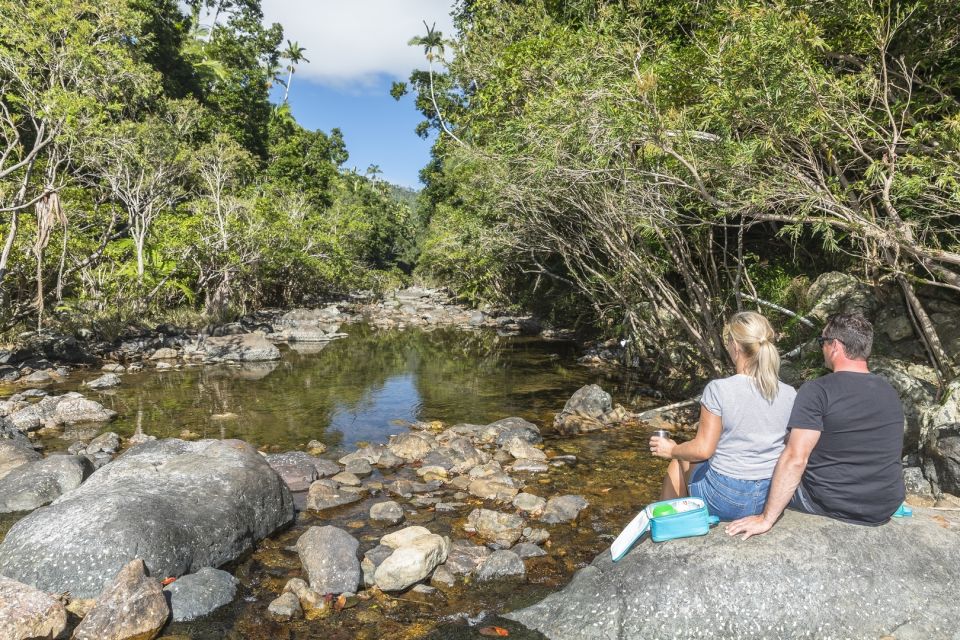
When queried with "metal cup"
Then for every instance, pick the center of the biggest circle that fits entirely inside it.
(661, 433)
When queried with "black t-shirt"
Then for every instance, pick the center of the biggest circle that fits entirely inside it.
(854, 472)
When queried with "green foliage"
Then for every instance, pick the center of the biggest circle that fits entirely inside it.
(182, 186)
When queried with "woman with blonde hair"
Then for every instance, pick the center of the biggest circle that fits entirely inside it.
(743, 426)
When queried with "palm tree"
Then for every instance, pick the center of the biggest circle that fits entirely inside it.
(433, 48)
(293, 53)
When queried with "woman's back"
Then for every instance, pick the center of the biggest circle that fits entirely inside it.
(754, 429)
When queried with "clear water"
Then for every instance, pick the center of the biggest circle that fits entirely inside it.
(364, 388)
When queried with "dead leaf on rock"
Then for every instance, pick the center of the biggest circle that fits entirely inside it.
(494, 632)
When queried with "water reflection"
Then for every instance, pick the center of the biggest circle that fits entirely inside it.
(356, 388)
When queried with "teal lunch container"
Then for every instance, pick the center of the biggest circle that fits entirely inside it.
(681, 518)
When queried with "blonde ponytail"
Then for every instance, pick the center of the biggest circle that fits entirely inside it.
(755, 338)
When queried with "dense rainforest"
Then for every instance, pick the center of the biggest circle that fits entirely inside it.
(651, 166)
(635, 166)
(143, 168)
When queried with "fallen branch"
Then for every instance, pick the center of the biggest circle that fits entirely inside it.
(652, 413)
(792, 314)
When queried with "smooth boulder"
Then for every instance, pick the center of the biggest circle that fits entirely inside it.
(180, 506)
(42, 481)
(808, 577)
(329, 555)
(197, 594)
(412, 562)
(246, 347)
(15, 453)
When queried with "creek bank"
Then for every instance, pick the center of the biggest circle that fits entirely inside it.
(808, 577)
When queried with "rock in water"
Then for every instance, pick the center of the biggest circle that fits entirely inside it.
(131, 607)
(501, 564)
(247, 347)
(197, 594)
(329, 555)
(26, 613)
(501, 528)
(37, 483)
(809, 577)
(15, 453)
(180, 506)
(296, 468)
(563, 509)
(412, 562)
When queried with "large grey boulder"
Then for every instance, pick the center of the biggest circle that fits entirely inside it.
(15, 453)
(180, 506)
(42, 481)
(590, 408)
(940, 435)
(198, 594)
(246, 347)
(809, 577)
(835, 292)
(916, 391)
(329, 555)
(29, 614)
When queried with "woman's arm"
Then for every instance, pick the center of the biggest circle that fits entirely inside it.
(700, 448)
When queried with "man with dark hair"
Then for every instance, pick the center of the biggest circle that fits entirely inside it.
(844, 442)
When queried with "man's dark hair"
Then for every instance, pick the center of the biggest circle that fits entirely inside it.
(853, 331)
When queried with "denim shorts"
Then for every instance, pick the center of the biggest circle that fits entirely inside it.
(728, 498)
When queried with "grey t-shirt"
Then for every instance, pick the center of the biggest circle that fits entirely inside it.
(753, 428)
(854, 472)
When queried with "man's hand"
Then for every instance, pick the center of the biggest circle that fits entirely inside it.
(749, 526)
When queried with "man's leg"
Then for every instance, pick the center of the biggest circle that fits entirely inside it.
(676, 480)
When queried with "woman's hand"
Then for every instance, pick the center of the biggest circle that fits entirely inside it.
(662, 447)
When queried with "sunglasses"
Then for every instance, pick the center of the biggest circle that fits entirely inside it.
(821, 340)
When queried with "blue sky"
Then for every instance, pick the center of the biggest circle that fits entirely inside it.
(356, 50)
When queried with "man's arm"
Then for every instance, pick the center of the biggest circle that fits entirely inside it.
(786, 477)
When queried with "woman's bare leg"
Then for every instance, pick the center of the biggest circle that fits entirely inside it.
(675, 482)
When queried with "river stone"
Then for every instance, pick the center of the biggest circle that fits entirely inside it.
(371, 560)
(406, 488)
(590, 401)
(29, 614)
(509, 428)
(502, 528)
(326, 468)
(808, 577)
(326, 494)
(329, 555)
(501, 564)
(347, 479)
(389, 512)
(521, 449)
(73, 408)
(180, 506)
(131, 607)
(38, 377)
(246, 347)
(487, 470)
(529, 503)
(309, 599)
(493, 489)
(528, 550)
(286, 607)
(15, 453)
(916, 393)
(389, 460)
(443, 578)
(464, 557)
(529, 466)
(297, 469)
(563, 509)
(103, 382)
(108, 442)
(196, 594)
(410, 446)
(164, 353)
(412, 562)
(403, 537)
(371, 453)
(41, 482)
(358, 468)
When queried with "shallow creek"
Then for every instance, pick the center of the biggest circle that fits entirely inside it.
(363, 389)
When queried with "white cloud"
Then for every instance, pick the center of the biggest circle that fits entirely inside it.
(348, 42)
